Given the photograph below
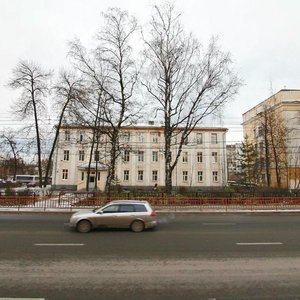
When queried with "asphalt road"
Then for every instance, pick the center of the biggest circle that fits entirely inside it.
(200, 256)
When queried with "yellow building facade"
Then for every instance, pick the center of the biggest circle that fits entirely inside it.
(273, 127)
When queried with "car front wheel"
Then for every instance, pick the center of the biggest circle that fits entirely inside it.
(84, 226)
(137, 226)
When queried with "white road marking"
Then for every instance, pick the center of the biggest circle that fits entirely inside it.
(22, 298)
(58, 245)
(218, 224)
(260, 244)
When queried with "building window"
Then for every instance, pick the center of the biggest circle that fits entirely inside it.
(81, 155)
(126, 155)
(260, 131)
(81, 136)
(140, 156)
(199, 157)
(140, 175)
(67, 135)
(185, 176)
(154, 136)
(126, 175)
(66, 154)
(82, 176)
(186, 140)
(154, 175)
(200, 176)
(140, 137)
(154, 156)
(199, 138)
(214, 157)
(65, 173)
(97, 155)
(215, 176)
(126, 137)
(184, 157)
(214, 138)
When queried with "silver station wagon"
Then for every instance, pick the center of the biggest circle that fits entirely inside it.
(133, 214)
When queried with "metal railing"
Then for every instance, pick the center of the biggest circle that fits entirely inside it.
(73, 202)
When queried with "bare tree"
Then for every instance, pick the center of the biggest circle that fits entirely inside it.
(68, 89)
(275, 134)
(112, 71)
(186, 82)
(13, 149)
(33, 83)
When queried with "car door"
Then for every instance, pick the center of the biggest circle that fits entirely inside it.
(126, 215)
(108, 216)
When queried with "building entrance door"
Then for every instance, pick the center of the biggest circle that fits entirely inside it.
(92, 182)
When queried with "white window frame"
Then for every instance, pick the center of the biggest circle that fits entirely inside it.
(214, 138)
(154, 137)
(140, 175)
(214, 155)
(81, 155)
(186, 140)
(155, 175)
(200, 176)
(126, 156)
(185, 157)
(185, 176)
(66, 155)
(200, 157)
(81, 136)
(67, 135)
(96, 155)
(140, 156)
(141, 137)
(65, 174)
(155, 156)
(199, 138)
(215, 176)
(126, 175)
(126, 136)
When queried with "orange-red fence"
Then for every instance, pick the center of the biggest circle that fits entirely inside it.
(82, 201)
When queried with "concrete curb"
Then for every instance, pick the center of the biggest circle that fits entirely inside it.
(159, 211)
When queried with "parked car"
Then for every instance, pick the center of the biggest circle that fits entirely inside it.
(136, 215)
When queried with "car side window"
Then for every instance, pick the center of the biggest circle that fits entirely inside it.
(110, 209)
(126, 208)
(140, 208)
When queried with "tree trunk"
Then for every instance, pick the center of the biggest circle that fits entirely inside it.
(112, 165)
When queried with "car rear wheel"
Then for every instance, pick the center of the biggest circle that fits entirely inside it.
(84, 226)
(137, 226)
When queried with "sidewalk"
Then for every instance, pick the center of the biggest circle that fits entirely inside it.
(159, 210)
(64, 205)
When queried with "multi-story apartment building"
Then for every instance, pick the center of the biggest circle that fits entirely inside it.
(263, 120)
(141, 160)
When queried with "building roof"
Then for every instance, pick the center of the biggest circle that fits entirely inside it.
(266, 100)
(148, 127)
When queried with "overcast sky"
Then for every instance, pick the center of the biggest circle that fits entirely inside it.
(262, 36)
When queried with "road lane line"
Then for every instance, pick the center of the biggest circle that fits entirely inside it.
(22, 298)
(260, 244)
(58, 245)
(218, 224)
